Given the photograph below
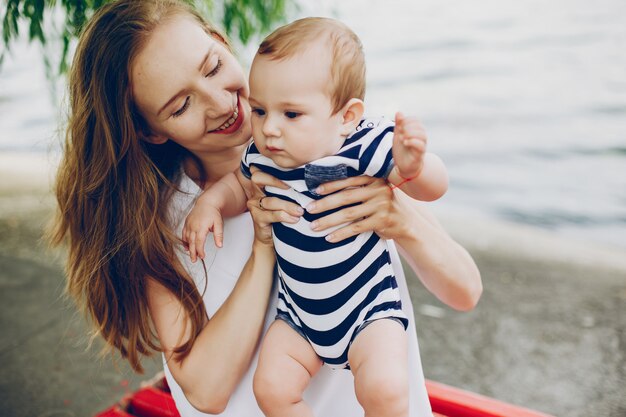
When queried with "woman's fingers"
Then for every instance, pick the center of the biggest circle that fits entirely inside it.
(333, 186)
(348, 214)
(271, 204)
(262, 179)
(264, 218)
(277, 204)
(267, 210)
(353, 229)
(373, 189)
(274, 210)
(371, 207)
(262, 227)
(376, 208)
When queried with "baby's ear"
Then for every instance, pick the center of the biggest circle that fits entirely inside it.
(352, 113)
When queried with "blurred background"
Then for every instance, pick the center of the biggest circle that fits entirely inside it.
(525, 101)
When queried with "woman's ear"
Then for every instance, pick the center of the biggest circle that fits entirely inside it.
(352, 112)
(218, 37)
(155, 139)
(144, 133)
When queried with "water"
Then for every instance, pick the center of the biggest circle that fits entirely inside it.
(524, 101)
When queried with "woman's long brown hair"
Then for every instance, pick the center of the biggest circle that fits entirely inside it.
(113, 188)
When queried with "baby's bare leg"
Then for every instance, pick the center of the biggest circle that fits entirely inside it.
(379, 361)
(287, 363)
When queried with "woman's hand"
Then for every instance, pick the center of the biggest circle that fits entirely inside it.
(379, 210)
(267, 210)
(445, 268)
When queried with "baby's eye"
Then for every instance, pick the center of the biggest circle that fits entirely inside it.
(258, 111)
(292, 114)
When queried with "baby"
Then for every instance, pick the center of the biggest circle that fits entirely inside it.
(338, 302)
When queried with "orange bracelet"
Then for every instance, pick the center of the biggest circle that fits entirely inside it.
(404, 181)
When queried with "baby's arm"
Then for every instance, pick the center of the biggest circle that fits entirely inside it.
(225, 198)
(421, 175)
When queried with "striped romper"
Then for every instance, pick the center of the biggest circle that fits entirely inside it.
(328, 291)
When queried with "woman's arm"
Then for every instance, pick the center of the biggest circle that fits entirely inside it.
(223, 350)
(445, 267)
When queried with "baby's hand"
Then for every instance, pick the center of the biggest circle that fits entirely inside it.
(409, 146)
(198, 224)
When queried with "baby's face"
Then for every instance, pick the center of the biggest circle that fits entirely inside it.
(291, 109)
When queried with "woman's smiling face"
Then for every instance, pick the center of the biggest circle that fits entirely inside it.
(190, 88)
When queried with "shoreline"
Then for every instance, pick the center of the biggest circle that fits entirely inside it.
(25, 172)
(499, 237)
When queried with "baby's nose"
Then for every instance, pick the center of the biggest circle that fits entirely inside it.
(270, 127)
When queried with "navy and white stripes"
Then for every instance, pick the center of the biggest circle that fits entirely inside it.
(329, 290)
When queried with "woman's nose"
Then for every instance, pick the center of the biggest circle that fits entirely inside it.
(219, 104)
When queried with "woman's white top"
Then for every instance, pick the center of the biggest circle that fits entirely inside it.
(331, 392)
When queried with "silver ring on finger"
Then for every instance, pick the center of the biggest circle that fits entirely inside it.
(261, 203)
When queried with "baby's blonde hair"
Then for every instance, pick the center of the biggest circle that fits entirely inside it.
(347, 72)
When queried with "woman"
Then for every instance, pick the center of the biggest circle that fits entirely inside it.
(159, 111)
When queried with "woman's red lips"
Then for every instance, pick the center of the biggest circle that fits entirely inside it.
(236, 124)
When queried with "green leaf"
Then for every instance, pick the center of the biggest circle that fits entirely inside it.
(241, 19)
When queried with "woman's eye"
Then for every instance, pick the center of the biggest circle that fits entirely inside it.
(258, 112)
(183, 109)
(216, 69)
(291, 114)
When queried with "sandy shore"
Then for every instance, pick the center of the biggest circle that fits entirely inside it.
(549, 332)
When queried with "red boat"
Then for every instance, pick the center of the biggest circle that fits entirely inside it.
(155, 400)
